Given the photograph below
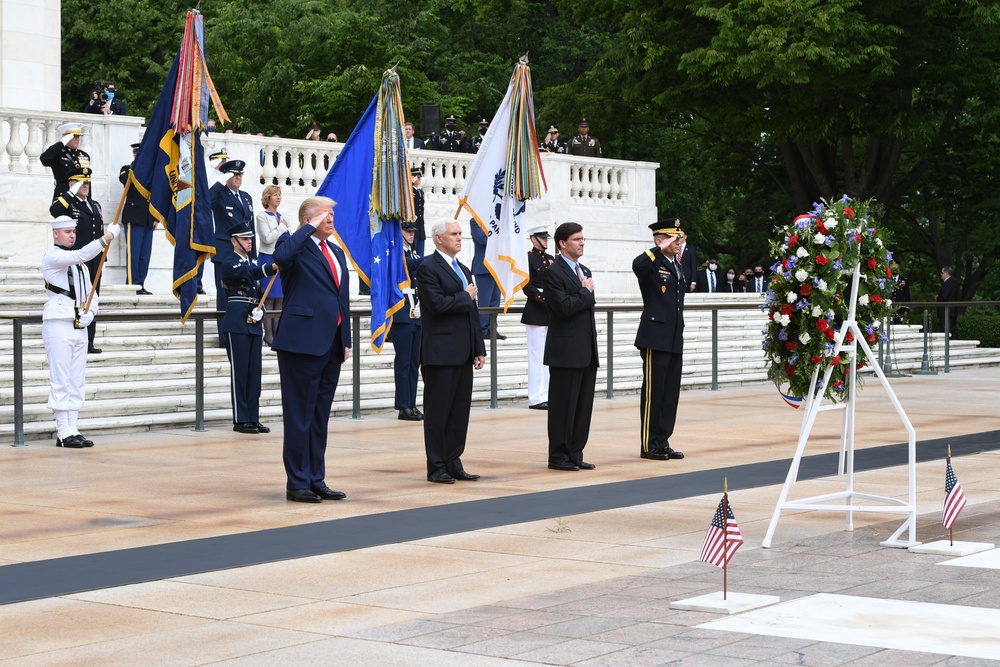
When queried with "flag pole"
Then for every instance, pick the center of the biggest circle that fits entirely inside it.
(951, 528)
(725, 534)
(104, 255)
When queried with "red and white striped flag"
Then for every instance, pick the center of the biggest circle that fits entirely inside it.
(721, 531)
(954, 498)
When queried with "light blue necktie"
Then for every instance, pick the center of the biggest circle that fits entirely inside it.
(461, 276)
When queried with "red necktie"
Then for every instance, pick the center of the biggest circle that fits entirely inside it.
(333, 269)
(579, 273)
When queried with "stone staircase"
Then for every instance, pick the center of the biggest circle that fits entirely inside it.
(145, 377)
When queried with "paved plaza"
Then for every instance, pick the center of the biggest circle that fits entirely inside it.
(178, 548)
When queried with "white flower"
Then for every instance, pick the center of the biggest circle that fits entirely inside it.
(888, 303)
(822, 286)
(876, 324)
(791, 297)
(784, 320)
(817, 311)
(830, 222)
(784, 247)
(878, 241)
(863, 300)
(801, 252)
(803, 337)
(801, 275)
(820, 238)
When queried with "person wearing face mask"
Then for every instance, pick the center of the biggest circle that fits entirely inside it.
(708, 277)
(450, 140)
(105, 100)
(758, 283)
(730, 285)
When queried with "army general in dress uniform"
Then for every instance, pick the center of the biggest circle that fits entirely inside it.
(242, 326)
(660, 339)
(583, 144)
(450, 140)
(65, 156)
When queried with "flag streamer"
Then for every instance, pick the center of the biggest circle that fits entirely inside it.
(392, 192)
(524, 164)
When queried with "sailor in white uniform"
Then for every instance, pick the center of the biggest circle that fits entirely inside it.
(64, 324)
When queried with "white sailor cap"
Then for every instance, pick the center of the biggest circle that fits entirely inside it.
(63, 222)
(71, 128)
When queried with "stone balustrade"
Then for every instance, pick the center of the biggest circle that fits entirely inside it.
(615, 200)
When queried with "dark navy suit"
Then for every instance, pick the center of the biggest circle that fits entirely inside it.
(241, 282)
(228, 209)
(310, 345)
(406, 342)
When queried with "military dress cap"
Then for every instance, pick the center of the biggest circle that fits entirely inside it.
(63, 222)
(240, 230)
(669, 226)
(233, 167)
(583, 121)
(416, 171)
(81, 174)
(136, 145)
(71, 128)
(408, 226)
(451, 119)
(484, 123)
(539, 230)
(220, 154)
(553, 129)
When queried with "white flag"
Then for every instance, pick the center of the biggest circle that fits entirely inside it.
(500, 215)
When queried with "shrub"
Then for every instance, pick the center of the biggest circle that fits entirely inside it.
(982, 324)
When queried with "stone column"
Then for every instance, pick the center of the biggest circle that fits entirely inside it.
(30, 72)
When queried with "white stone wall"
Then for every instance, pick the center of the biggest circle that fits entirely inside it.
(30, 70)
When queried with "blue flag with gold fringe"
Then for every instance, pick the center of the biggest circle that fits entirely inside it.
(169, 167)
(367, 182)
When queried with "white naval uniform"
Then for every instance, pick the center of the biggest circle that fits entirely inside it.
(538, 372)
(65, 345)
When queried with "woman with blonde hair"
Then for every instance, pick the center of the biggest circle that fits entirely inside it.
(270, 226)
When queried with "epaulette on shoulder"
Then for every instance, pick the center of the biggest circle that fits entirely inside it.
(652, 257)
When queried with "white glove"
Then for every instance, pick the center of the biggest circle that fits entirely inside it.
(257, 314)
(76, 188)
(66, 138)
(86, 319)
(115, 230)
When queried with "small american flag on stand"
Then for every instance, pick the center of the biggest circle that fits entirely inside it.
(723, 538)
(954, 498)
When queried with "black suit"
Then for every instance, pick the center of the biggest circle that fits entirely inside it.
(753, 286)
(689, 265)
(660, 339)
(705, 283)
(734, 287)
(949, 292)
(450, 341)
(572, 358)
(314, 329)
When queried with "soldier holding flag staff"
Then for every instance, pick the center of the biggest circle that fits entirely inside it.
(139, 225)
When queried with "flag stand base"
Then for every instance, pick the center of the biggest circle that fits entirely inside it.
(846, 463)
(958, 549)
(735, 603)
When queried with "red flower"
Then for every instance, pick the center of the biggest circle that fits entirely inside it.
(784, 263)
(790, 345)
(838, 383)
(857, 236)
(849, 337)
(770, 316)
(787, 309)
(822, 325)
(830, 333)
(821, 260)
(790, 369)
(872, 263)
(876, 298)
(835, 360)
(849, 212)
(805, 289)
(821, 226)
(871, 338)
(816, 359)
(792, 241)
(861, 365)
(888, 272)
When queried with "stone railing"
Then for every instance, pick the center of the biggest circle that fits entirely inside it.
(614, 199)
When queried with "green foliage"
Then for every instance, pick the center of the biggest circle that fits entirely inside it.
(982, 324)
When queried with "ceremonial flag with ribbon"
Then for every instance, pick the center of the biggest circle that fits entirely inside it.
(954, 498)
(370, 181)
(506, 173)
(723, 538)
(169, 167)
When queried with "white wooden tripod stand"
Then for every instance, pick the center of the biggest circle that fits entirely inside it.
(814, 405)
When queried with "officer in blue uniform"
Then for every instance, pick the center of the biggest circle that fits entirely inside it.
(230, 206)
(241, 325)
(660, 339)
(406, 335)
(139, 226)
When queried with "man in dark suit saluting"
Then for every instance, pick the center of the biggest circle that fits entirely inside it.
(451, 347)
(312, 341)
(570, 350)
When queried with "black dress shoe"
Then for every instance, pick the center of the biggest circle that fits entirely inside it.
(563, 466)
(674, 454)
(418, 413)
(407, 415)
(463, 476)
(247, 427)
(655, 456)
(500, 336)
(302, 496)
(94, 350)
(326, 493)
(201, 291)
(441, 477)
(539, 406)
(87, 442)
(71, 442)
(144, 292)
(261, 428)
(583, 465)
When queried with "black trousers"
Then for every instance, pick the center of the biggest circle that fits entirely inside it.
(571, 405)
(661, 389)
(447, 402)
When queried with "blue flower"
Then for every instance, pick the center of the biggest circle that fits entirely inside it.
(870, 329)
(829, 242)
(783, 334)
(828, 349)
(792, 359)
(870, 230)
(884, 337)
(888, 256)
(881, 283)
(845, 199)
(819, 385)
(792, 261)
(802, 304)
(818, 207)
(837, 265)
